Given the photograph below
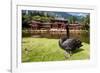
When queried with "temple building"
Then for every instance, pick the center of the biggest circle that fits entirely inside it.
(54, 24)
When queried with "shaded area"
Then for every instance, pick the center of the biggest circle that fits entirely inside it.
(77, 50)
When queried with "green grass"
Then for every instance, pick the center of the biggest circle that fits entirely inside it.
(43, 49)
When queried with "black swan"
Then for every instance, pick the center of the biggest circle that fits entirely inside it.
(69, 44)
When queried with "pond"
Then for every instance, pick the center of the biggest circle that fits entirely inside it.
(83, 35)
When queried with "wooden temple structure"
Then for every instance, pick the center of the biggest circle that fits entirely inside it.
(54, 24)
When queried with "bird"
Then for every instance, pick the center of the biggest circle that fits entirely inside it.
(69, 45)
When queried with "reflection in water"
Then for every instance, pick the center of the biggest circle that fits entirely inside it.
(83, 35)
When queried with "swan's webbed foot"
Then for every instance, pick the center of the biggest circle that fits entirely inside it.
(67, 54)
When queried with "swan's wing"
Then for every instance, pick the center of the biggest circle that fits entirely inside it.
(67, 44)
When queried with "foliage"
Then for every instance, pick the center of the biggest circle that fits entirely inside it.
(43, 16)
(36, 15)
(86, 22)
(72, 19)
(26, 19)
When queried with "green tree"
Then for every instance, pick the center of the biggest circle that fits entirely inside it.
(72, 19)
(26, 19)
(86, 22)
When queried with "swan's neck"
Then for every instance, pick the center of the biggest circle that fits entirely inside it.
(67, 31)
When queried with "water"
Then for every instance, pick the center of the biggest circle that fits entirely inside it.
(83, 35)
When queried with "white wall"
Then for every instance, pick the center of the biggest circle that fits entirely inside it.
(5, 34)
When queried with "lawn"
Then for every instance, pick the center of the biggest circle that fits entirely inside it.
(44, 49)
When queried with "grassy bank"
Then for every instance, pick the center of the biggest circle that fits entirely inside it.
(43, 49)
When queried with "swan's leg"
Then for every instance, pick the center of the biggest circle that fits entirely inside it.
(70, 53)
(66, 54)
